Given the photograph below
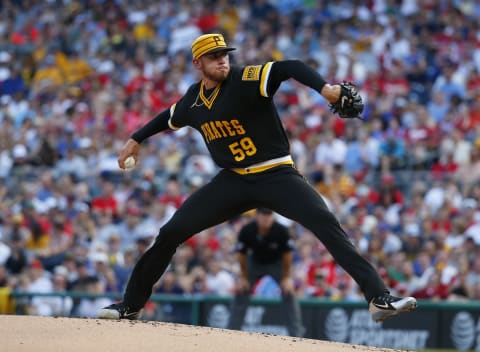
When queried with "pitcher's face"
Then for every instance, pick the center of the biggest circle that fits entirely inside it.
(215, 66)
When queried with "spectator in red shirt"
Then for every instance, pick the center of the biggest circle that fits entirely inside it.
(444, 166)
(106, 202)
(321, 273)
(434, 290)
(388, 193)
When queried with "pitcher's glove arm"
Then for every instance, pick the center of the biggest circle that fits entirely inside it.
(349, 105)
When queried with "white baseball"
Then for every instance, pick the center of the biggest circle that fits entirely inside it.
(129, 162)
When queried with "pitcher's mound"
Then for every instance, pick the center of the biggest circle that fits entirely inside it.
(42, 334)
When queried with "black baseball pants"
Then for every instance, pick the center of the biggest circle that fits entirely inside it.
(281, 189)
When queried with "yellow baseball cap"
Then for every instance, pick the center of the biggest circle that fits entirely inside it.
(208, 44)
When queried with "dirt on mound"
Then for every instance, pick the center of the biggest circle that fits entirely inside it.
(42, 334)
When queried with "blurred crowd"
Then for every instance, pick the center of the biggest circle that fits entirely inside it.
(78, 77)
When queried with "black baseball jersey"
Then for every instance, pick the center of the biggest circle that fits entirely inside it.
(266, 248)
(238, 121)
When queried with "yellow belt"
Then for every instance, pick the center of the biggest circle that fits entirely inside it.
(263, 166)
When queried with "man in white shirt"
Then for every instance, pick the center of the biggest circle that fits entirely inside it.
(218, 280)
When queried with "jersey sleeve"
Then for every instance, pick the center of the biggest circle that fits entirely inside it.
(258, 75)
(265, 78)
(173, 125)
(179, 112)
(270, 75)
(178, 116)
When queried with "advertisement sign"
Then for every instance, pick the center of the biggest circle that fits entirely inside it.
(349, 323)
(355, 326)
(460, 330)
(268, 319)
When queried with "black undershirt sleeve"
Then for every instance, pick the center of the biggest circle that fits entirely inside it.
(158, 124)
(296, 69)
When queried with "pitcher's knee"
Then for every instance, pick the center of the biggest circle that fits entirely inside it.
(167, 239)
(329, 216)
(322, 215)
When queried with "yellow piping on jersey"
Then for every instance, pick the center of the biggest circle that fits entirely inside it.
(264, 78)
(170, 124)
(208, 101)
(264, 166)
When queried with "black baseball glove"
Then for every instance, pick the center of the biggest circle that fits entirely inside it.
(349, 105)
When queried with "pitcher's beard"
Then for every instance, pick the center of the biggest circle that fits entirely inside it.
(217, 76)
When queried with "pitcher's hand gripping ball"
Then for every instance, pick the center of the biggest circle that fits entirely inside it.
(129, 162)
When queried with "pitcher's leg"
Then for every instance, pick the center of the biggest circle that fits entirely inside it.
(290, 195)
(216, 202)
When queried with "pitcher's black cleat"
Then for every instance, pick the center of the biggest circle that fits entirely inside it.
(386, 306)
(118, 311)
